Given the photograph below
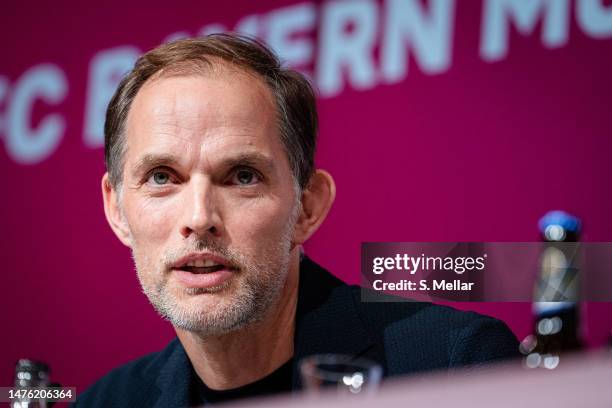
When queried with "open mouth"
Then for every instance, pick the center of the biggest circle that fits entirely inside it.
(202, 269)
(201, 266)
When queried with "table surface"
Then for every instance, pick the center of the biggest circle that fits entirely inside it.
(583, 380)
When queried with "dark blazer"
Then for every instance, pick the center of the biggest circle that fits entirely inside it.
(403, 337)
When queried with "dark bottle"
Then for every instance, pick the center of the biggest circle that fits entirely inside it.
(30, 373)
(556, 295)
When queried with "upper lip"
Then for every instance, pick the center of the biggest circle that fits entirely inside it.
(206, 258)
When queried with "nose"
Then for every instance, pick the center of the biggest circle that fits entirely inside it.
(200, 211)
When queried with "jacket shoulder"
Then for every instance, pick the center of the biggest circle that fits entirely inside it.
(130, 385)
(421, 336)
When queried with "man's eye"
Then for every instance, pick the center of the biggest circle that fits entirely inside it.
(160, 178)
(245, 177)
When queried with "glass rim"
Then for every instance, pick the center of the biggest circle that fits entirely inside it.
(311, 365)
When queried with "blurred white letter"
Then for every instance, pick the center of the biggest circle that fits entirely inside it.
(430, 37)
(594, 18)
(285, 22)
(340, 49)
(498, 13)
(105, 71)
(24, 144)
(249, 25)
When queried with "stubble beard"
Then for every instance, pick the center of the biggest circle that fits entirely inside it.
(240, 301)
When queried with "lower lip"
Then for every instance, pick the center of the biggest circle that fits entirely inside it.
(203, 280)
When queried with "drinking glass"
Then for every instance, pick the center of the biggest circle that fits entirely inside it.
(343, 373)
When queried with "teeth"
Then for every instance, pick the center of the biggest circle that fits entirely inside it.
(201, 263)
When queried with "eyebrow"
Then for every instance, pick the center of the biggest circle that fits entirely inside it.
(149, 161)
(250, 159)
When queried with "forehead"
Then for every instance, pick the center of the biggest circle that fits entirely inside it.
(219, 105)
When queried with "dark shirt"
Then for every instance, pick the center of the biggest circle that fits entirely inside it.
(277, 382)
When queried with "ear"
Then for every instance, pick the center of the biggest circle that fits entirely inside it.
(112, 210)
(317, 199)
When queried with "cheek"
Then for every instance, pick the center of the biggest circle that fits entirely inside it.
(260, 222)
(150, 220)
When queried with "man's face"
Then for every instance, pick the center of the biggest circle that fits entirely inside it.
(208, 198)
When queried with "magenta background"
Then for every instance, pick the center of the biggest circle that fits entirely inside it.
(477, 153)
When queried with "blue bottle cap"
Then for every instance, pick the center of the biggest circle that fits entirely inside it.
(560, 218)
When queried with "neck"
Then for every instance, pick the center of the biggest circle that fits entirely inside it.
(251, 353)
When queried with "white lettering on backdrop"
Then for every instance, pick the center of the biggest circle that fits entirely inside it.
(349, 33)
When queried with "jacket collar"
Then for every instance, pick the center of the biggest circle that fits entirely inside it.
(175, 378)
(327, 321)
